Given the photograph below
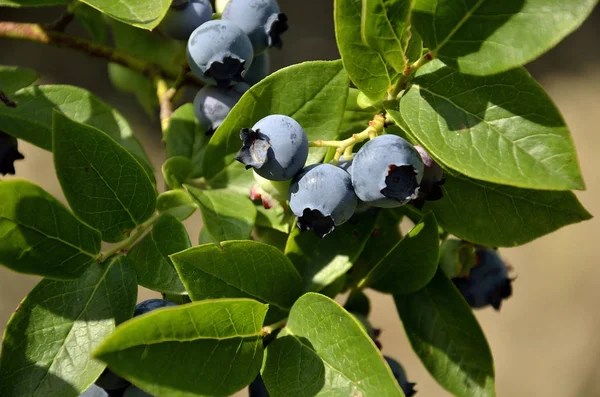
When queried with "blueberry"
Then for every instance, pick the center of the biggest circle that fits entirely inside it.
(111, 381)
(259, 69)
(321, 196)
(345, 164)
(149, 305)
(219, 53)
(386, 172)
(184, 16)
(94, 391)
(9, 153)
(260, 19)
(213, 104)
(488, 282)
(257, 388)
(430, 188)
(133, 391)
(407, 387)
(276, 147)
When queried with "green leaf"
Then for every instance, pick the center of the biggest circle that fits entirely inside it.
(483, 37)
(277, 218)
(14, 78)
(366, 68)
(126, 80)
(312, 93)
(445, 335)
(139, 13)
(92, 21)
(38, 235)
(32, 3)
(177, 203)
(103, 183)
(411, 263)
(322, 261)
(32, 119)
(270, 236)
(202, 349)
(502, 216)
(48, 341)
(384, 237)
(176, 171)
(502, 129)
(240, 269)
(356, 118)
(325, 351)
(150, 256)
(186, 137)
(226, 215)
(235, 177)
(385, 28)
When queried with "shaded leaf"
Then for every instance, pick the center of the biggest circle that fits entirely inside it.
(177, 203)
(186, 137)
(38, 235)
(103, 183)
(447, 338)
(13, 78)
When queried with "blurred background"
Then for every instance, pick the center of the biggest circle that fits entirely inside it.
(546, 338)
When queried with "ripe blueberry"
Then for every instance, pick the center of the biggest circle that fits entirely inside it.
(219, 53)
(259, 69)
(433, 178)
(260, 19)
(407, 387)
(321, 196)
(149, 305)
(184, 16)
(9, 153)
(94, 391)
(133, 391)
(257, 388)
(276, 147)
(488, 282)
(213, 104)
(386, 172)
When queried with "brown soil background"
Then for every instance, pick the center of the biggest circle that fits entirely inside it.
(545, 340)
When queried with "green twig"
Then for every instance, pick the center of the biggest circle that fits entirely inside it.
(166, 95)
(269, 329)
(37, 33)
(126, 244)
(408, 73)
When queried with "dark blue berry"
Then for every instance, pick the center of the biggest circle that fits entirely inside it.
(184, 16)
(257, 388)
(407, 387)
(213, 104)
(149, 305)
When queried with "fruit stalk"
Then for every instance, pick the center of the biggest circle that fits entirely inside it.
(126, 244)
(345, 146)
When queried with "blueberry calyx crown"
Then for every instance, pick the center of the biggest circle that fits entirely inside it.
(225, 71)
(179, 4)
(255, 147)
(314, 220)
(401, 183)
(277, 27)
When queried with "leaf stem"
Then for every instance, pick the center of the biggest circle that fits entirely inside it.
(126, 244)
(345, 146)
(409, 72)
(269, 329)
(37, 33)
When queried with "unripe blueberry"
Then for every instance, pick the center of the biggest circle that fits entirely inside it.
(276, 147)
(260, 19)
(219, 53)
(386, 172)
(260, 68)
(488, 282)
(150, 305)
(407, 387)
(213, 104)
(321, 196)
(184, 16)
(9, 153)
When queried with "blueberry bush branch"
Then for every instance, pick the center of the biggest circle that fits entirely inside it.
(125, 245)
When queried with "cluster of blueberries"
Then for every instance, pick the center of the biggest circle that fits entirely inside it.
(228, 55)
(386, 172)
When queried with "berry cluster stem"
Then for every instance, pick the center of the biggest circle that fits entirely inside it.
(408, 73)
(269, 329)
(346, 146)
(126, 244)
(37, 33)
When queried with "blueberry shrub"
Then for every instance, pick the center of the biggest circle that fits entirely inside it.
(301, 176)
